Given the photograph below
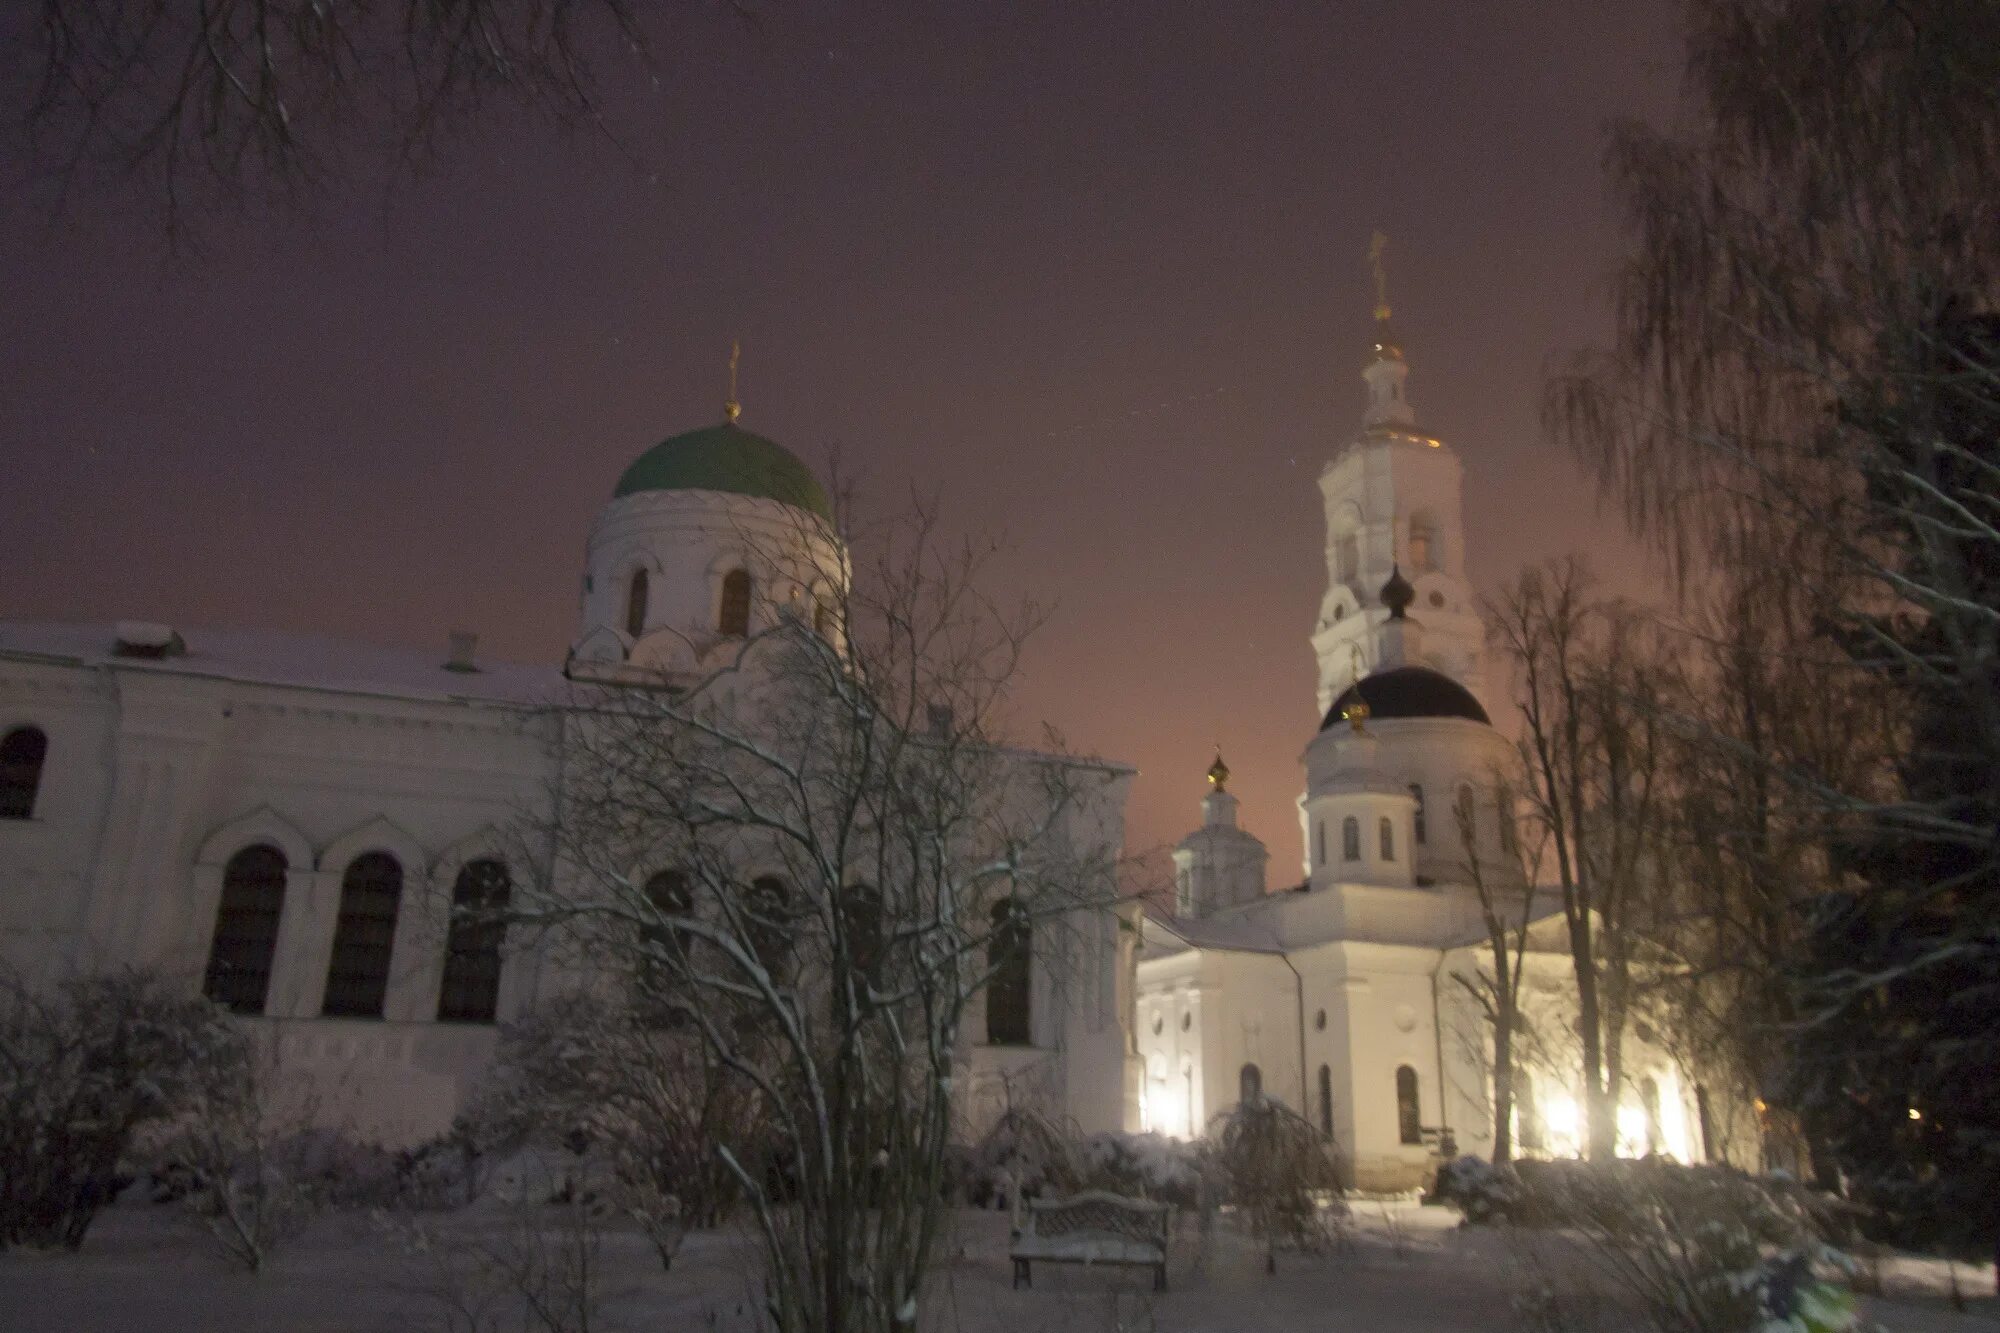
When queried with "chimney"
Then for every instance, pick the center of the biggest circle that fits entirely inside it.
(463, 644)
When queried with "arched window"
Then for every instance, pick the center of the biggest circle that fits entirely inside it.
(861, 918)
(1418, 831)
(1423, 543)
(1350, 839)
(363, 937)
(1326, 1103)
(1649, 1103)
(246, 929)
(1409, 1112)
(1527, 1111)
(822, 617)
(767, 925)
(668, 893)
(1249, 1083)
(1387, 830)
(1347, 555)
(22, 751)
(734, 618)
(471, 989)
(1468, 816)
(635, 604)
(1504, 801)
(1010, 957)
(1320, 837)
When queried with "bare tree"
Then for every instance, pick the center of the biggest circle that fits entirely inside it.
(1590, 681)
(199, 102)
(821, 842)
(1506, 910)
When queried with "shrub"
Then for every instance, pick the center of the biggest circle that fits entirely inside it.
(1482, 1191)
(1276, 1166)
(1149, 1166)
(84, 1067)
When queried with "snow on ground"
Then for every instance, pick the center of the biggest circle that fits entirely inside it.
(1404, 1269)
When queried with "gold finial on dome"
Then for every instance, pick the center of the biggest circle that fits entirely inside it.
(1356, 713)
(1218, 772)
(731, 409)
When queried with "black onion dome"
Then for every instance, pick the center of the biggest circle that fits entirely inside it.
(1408, 691)
(1397, 594)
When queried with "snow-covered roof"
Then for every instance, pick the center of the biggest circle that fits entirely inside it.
(1209, 933)
(300, 661)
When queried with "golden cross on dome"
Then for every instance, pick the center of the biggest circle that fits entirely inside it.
(1376, 246)
(1218, 772)
(730, 407)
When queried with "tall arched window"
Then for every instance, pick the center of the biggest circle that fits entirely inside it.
(1326, 1103)
(1249, 1083)
(471, 989)
(1009, 995)
(668, 894)
(1409, 1111)
(1423, 543)
(1347, 556)
(22, 751)
(1468, 816)
(1350, 839)
(1503, 801)
(635, 604)
(357, 979)
(734, 618)
(1386, 829)
(1319, 832)
(1649, 1103)
(246, 929)
(1527, 1111)
(1418, 830)
(767, 925)
(861, 920)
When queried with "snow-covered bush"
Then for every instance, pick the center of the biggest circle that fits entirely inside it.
(1148, 1166)
(1276, 1167)
(1479, 1189)
(1024, 1151)
(84, 1067)
(641, 1097)
(1687, 1244)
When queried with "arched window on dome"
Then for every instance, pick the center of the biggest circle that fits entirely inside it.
(1468, 816)
(357, 977)
(1417, 830)
(1409, 1109)
(1350, 839)
(1387, 830)
(734, 618)
(470, 991)
(1503, 800)
(246, 929)
(22, 752)
(1423, 543)
(635, 604)
(1249, 1083)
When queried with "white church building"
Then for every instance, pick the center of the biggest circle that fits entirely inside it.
(284, 820)
(1337, 993)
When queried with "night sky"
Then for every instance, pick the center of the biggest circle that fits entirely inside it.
(1094, 275)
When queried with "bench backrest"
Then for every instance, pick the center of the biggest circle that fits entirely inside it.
(1101, 1212)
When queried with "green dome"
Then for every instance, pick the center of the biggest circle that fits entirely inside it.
(727, 458)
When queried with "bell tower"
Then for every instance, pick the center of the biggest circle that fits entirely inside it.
(1392, 497)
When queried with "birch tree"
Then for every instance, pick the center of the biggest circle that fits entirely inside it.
(822, 847)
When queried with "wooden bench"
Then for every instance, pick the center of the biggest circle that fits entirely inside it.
(1093, 1228)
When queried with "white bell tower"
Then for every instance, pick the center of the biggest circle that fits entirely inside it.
(1392, 498)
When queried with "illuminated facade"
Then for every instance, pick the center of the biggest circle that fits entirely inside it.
(1339, 993)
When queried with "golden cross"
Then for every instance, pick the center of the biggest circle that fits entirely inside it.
(1356, 713)
(730, 407)
(1376, 246)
